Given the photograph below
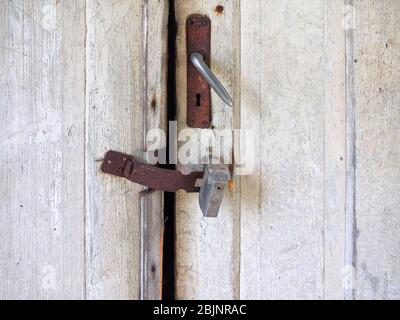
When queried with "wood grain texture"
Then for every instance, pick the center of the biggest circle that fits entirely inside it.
(123, 71)
(283, 97)
(207, 250)
(154, 117)
(291, 93)
(42, 105)
(318, 217)
(377, 149)
(79, 78)
(335, 156)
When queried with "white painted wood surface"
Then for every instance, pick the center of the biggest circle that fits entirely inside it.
(42, 109)
(376, 66)
(317, 80)
(77, 79)
(317, 219)
(207, 250)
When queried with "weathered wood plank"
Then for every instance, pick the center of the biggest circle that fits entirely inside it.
(42, 105)
(125, 67)
(207, 250)
(292, 94)
(335, 157)
(377, 149)
(282, 97)
(293, 205)
(155, 116)
(48, 251)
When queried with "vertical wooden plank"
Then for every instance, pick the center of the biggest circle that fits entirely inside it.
(377, 149)
(350, 154)
(207, 250)
(42, 61)
(292, 94)
(335, 157)
(155, 116)
(125, 67)
(113, 114)
(250, 118)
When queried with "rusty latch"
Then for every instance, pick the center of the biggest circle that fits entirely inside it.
(214, 179)
(126, 166)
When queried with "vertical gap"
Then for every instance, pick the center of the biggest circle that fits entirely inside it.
(168, 283)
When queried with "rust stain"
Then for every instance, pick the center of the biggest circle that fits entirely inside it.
(219, 9)
(231, 185)
(153, 103)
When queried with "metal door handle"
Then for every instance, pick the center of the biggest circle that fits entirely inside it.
(198, 61)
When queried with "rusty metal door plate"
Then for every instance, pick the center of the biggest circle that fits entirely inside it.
(198, 35)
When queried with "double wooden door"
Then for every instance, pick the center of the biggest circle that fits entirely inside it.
(316, 80)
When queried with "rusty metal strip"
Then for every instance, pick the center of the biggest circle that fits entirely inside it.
(198, 34)
(126, 166)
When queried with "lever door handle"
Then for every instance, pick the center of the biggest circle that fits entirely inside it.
(200, 79)
(198, 61)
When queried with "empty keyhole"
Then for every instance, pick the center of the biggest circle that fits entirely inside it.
(198, 100)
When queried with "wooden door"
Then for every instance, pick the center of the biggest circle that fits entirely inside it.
(318, 218)
(78, 78)
(317, 82)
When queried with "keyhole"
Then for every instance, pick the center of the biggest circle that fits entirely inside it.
(198, 100)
